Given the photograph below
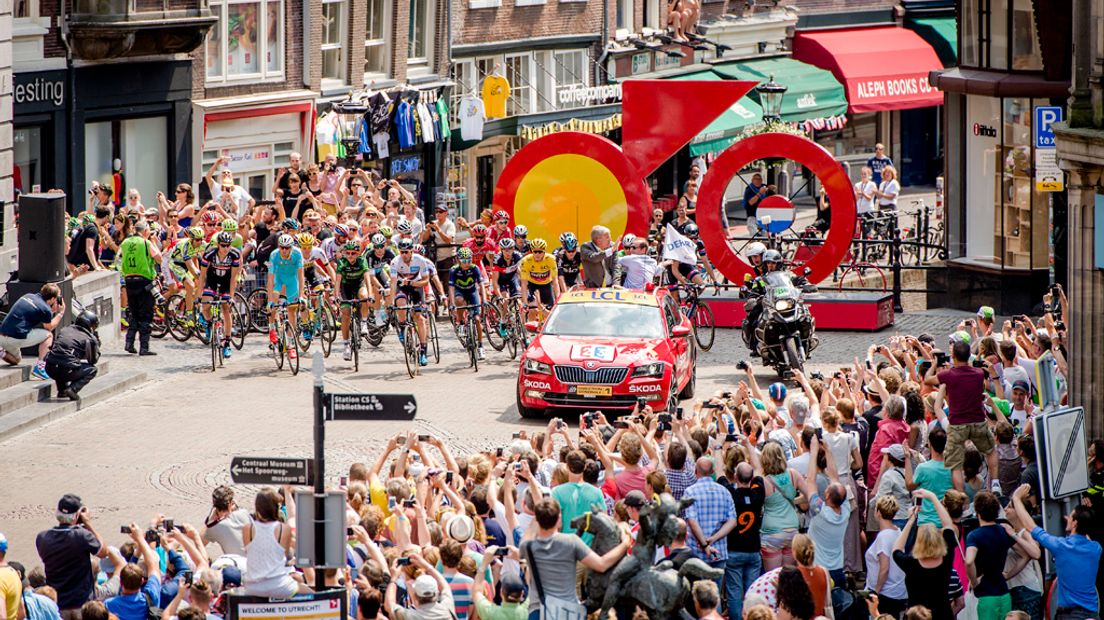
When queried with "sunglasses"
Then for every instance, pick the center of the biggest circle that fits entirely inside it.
(224, 245)
(406, 251)
(180, 191)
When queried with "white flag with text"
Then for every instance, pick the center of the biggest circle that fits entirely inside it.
(677, 246)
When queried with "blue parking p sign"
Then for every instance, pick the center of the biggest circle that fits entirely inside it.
(1045, 117)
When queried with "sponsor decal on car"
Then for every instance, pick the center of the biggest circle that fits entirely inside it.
(645, 388)
(599, 352)
(537, 385)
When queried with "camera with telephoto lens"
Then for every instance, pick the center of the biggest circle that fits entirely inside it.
(155, 291)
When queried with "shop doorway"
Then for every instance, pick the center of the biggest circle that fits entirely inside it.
(485, 182)
(921, 146)
(139, 144)
(31, 161)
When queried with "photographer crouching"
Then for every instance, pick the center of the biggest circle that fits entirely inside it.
(71, 362)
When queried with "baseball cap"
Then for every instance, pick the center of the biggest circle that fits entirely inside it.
(425, 587)
(635, 499)
(460, 528)
(985, 312)
(777, 391)
(231, 577)
(1020, 384)
(895, 451)
(441, 208)
(960, 336)
(511, 583)
(69, 504)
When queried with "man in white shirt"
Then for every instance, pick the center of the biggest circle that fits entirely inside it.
(864, 193)
(239, 198)
(637, 268)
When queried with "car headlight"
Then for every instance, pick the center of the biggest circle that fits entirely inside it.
(539, 368)
(782, 305)
(650, 370)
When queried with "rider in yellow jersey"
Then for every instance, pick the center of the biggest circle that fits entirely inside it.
(539, 278)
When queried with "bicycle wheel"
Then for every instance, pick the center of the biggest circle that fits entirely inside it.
(704, 330)
(216, 354)
(330, 314)
(496, 333)
(410, 349)
(326, 332)
(354, 343)
(257, 303)
(473, 343)
(160, 320)
(278, 350)
(294, 353)
(241, 305)
(239, 327)
(433, 338)
(203, 331)
(174, 316)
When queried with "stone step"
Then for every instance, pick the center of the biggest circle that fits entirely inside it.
(30, 390)
(50, 408)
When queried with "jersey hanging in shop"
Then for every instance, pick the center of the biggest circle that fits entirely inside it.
(425, 122)
(404, 124)
(471, 118)
(325, 136)
(443, 113)
(380, 109)
(496, 90)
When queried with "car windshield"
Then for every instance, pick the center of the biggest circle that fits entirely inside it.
(605, 319)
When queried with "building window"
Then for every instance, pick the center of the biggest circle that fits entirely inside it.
(247, 42)
(970, 40)
(519, 73)
(375, 40)
(466, 84)
(1000, 34)
(570, 72)
(421, 32)
(1026, 55)
(141, 144)
(334, 18)
(625, 15)
(25, 8)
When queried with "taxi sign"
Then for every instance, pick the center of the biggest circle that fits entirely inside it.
(609, 295)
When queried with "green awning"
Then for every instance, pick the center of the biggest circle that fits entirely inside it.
(813, 92)
(723, 132)
(941, 33)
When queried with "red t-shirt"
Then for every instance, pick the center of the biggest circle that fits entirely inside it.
(627, 480)
(965, 394)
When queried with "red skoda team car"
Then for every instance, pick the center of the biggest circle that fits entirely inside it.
(602, 349)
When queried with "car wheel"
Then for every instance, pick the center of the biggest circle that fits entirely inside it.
(691, 385)
(527, 412)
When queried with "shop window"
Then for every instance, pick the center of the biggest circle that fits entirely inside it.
(140, 145)
(856, 138)
(421, 32)
(334, 18)
(1026, 55)
(463, 75)
(570, 72)
(29, 159)
(970, 40)
(247, 42)
(519, 72)
(998, 33)
(375, 40)
(625, 15)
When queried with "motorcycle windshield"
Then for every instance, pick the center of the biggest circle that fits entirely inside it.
(780, 285)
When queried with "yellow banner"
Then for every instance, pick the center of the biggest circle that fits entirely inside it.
(613, 295)
(603, 125)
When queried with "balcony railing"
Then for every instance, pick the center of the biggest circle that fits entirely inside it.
(103, 29)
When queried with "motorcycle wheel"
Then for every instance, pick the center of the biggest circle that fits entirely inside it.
(793, 355)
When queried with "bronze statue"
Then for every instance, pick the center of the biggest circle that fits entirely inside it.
(659, 589)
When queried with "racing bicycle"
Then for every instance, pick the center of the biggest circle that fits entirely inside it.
(699, 313)
(215, 330)
(408, 337)
(287, 345)
(355, 326)
(468, 333)
(316, 322)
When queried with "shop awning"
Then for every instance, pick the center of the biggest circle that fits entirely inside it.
(813, 92)
(941, 33)
(884, 68)
(723, 132)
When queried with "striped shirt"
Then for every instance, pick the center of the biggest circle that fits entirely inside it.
(461, 587)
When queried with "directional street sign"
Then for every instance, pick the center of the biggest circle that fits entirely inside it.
(371, 407)
(1063, 455)
(270, 470)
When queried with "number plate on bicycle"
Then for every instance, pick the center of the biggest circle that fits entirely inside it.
(590, 390)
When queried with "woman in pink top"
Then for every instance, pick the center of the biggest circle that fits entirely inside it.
(892, 429)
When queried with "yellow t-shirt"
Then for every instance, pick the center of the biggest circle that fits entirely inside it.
(536, 271)
(11, 589)
(495, 92)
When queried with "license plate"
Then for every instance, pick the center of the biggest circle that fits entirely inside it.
(593, 390)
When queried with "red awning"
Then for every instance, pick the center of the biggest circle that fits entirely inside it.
(883, 68)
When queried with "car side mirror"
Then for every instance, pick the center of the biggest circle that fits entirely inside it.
(680, 331)
(532, 327)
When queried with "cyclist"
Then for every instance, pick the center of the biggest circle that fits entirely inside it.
(230, 226)
(465, 280)
(220, 266)
(335, 245)
(412, 274)
(285, 280)
(317, 272)
(483, 250)
(506, 264)
(539, 280)
(180, 269)
(353, 282)
(500, 230)
(684, 273)
(568, 261)
(770, 260)
(379, 259)
(435, 289)
(404, 230)
(521, 241)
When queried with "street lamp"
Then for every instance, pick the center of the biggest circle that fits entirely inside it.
(770, 97)
(349, 116)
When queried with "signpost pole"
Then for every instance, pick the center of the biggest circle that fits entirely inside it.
(317, 367)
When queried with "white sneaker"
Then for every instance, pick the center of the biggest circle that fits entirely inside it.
(347, 354)
(364, 328)
(461, 332)
(480, 355)
(996, 487)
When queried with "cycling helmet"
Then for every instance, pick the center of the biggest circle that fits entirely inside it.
(569, 241)
(404, 228)
(479, 230)
(211, 217)
(88, 320)
(225, 237)
(538, 245)
(385, 231)
(195, 232)
(501, 216)
(229, 225)
(506, 243)
(690, 230)
(521, 231)
(464, 255)
(290, 223)
(627, 240)
(351, 246)
(777, 391)
(286, 241)
(406, 245)
(306, 240)
(772, 256)
(87, 219)
(379, 240)
(755, 249)
(341, 230)
(419, 249)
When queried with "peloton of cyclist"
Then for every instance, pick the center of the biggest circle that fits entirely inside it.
(354, 281)
(220, 265)
(465, 280)
(540, 285)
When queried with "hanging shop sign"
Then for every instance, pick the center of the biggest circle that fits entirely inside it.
(248, 158)
(596, 126)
